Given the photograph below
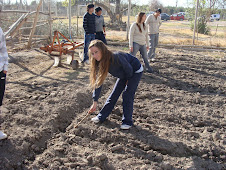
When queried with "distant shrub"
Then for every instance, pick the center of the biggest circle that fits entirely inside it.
(201, 25)
(63, 28)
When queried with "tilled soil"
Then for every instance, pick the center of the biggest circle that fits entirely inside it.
(179, 116)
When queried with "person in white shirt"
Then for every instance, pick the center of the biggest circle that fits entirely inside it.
(3, 71)
(154, 22)
(138, 39)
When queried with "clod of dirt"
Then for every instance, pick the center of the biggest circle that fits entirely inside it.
(117, 148)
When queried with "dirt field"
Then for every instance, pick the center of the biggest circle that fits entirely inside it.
(179, 115)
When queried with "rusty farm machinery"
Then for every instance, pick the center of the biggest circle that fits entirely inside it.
(64, 46)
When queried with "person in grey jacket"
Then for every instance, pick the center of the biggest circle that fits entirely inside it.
(153, 22)
(126, 68)
(3, 71)
(100, 25)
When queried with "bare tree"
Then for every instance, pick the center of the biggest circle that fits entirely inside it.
(119, 10)
(155, 4)
(21, 5)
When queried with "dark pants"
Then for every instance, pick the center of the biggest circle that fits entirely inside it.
(88, 39)
(127, 96)
(101, 36)
(2, 86)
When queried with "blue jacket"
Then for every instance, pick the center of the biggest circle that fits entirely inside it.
(89, 24)
(122, 66)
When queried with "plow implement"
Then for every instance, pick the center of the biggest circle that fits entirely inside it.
(65, 47)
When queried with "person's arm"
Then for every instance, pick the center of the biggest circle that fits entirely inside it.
(104, 27)
(160, 22)
(96, 94)
(147, 22)
(3, 51)
(104, 31)
(85, 23)
(147, 39)
(131, 34)
(2, 38)
(6, 63)
(94, 24)
(93, 107)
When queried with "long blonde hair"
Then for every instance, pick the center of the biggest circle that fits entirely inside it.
(99, 69)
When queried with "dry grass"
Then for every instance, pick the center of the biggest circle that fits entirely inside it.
(172, 32)
(176, 32)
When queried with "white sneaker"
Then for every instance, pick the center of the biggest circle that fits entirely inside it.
(95, 119)
(125, 127)
(153, 59)
(2, 135)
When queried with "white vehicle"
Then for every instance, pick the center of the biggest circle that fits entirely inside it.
(215, 17)
(182, 13)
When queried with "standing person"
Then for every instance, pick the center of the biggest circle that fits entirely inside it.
(126, 68)
(138, 39)
(90, 30)
(3, 72)
(100, 26)
(154, 22)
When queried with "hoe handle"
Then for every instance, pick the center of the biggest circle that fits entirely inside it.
(82, 120)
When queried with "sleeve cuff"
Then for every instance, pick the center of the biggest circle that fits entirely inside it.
(5, 67)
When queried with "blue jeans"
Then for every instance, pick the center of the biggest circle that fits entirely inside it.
(143, 51)
(87, 40)
(127, 96)
(154, 39)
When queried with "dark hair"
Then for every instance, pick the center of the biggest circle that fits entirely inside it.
(98, 9)
(89, 6)
(159, 10)
(139, 18)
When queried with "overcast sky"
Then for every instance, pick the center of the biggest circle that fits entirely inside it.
(140, 2)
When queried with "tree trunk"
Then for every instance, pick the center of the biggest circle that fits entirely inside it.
(21, 5)
(110, 13)
(116, 17)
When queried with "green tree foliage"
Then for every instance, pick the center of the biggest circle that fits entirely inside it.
(138, 8)
(203, 17)
(65, 3)
(172, 10)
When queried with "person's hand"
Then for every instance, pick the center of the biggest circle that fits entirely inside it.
(147, 48)
(4, 71)
(131, 49)
(93, 107)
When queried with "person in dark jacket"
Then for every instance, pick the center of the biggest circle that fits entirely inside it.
(90, 30)
(126, 68)
(100, 25)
